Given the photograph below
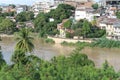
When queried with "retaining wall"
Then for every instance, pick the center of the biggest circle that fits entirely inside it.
(60, 40)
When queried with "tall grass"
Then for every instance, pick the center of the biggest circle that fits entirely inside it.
(51, 41)
(105, 43)
(77, 44)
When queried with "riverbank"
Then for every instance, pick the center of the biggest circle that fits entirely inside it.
(60, 40)
(47, 51)
(6, 35)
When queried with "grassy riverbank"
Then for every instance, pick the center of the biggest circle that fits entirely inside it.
(102, 43)
(105, 43)
(77, 44)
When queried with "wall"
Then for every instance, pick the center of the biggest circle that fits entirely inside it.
(60, 40)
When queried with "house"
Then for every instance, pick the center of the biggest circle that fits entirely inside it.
(4, 8)
(21, 8)
(41, 6)
(106, 3)
(77, 3)
(116, 34)
(85, 13)
(63, 30)
(7, 9)
(112, 27)
(111, 12)
(29, 24)
(25, 24)
(11, 18)
(57, 2)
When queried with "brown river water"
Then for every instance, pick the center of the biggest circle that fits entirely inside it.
(47, 51)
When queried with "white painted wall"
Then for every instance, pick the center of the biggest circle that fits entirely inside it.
(80, 15)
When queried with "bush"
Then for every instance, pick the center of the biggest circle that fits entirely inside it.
(103, 42)
(49, 41)
(77, 44)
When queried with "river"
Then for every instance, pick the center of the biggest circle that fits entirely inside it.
(47, 51)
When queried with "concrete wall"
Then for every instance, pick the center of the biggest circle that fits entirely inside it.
(60, 40)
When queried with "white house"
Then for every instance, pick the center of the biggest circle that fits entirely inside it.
(57, 2)
(116, 34)
(112, 27)
(42, 6)
(85, 13)
(21, 8)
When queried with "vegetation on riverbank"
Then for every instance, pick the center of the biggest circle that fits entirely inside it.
(105, 43)
(77, 44)
(50, 41)
(76, 66)
(102, 42)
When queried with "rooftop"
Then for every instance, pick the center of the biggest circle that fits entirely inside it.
(111, 21)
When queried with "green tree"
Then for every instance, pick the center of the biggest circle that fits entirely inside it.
(29, 15)
(68, 24)
(7, 26)
(2, 61)
(95, 6)
(24, 40)
(25, 16)
(86, 28)
(118, 14)
(12, 5)
(44, 26)
(21, 17)
(0, 10)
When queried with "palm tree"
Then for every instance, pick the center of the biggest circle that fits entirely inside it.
(24, 40)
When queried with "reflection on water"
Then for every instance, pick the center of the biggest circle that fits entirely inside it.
(47, 51)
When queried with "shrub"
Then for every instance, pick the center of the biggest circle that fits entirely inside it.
(49, 41)
(103, 42)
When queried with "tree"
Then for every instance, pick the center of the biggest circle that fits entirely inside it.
(68, 24)
(7, 26)
(29, 15)
(86, 28)
(94, 22)
(21, 17)
(95, 6)
(24, 40)
(118, 14)
(0, 10)
(12, 5)
(2, 61)
(25, 16)
(44, 26)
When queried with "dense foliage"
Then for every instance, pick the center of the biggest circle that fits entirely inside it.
(95, 6)
(87, 30)
(51, 41)
(118, 14)
(42, 22)
(7, 14)
(77, 44)
(68, 24)
(7, 25)
(25, 16)
(74, 67)
(103, 42)
(24, 40)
